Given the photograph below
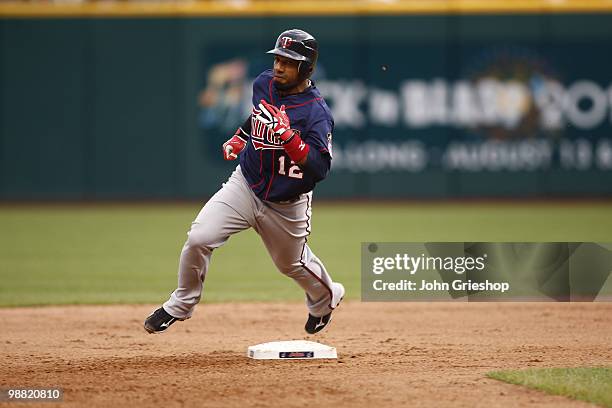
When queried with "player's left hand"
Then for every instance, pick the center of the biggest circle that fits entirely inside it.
(276, 119)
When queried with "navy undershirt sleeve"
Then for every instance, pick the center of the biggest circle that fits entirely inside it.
(246, 129)
(317, 164)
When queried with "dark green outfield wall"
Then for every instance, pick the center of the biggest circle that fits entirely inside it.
(91, 108)
(514, 105)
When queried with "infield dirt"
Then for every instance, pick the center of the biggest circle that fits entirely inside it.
(390, 354)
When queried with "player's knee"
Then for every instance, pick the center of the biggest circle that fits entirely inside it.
(201, 237)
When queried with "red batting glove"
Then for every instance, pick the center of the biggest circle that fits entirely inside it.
(276, 119)
(295, 147)
(233, 147)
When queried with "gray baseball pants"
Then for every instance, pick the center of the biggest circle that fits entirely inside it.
(284, 229)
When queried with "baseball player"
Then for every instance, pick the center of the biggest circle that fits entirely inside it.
(285, 149)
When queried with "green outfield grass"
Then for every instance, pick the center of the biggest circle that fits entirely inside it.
(586, 384)
(129, 253)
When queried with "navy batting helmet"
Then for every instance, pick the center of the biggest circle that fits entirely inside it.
(300, 46)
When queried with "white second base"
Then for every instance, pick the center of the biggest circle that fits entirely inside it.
(291, 350)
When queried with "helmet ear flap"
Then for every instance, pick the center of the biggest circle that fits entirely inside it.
(305, 69)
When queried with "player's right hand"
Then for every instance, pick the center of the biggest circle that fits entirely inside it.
(233, 147)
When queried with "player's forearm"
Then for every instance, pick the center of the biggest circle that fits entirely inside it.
(316, 163)
(245, 129)
(307, 157)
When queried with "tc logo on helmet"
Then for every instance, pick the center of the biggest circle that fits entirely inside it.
(286, 42)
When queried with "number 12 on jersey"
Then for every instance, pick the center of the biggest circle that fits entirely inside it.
(294, 170)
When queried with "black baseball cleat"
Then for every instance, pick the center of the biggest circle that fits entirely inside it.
(159, 321)
(316, 324)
